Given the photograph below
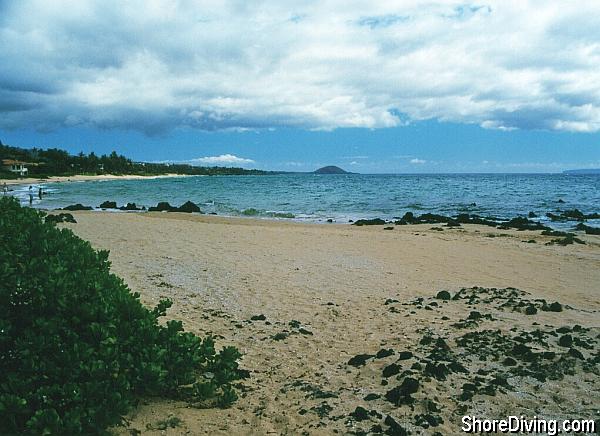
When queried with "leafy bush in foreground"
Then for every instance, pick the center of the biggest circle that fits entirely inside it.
(77, 347)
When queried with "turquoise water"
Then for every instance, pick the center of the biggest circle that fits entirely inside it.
(311, 197)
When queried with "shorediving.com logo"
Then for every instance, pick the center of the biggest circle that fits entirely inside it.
(520, 424)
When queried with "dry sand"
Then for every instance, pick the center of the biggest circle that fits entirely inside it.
(335, 280)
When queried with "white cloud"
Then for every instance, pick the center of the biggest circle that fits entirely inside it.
(160, 65)
(417, 161)
(223, 159)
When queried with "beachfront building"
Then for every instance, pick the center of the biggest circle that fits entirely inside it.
(15, 166)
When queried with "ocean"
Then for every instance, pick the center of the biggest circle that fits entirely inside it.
(318, 198)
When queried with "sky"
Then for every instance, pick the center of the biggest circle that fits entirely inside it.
(387, 86)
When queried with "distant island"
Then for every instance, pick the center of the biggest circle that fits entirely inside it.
(18, 162)
(331, 169)
(583, 171)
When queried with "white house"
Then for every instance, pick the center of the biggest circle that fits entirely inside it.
(15, 166)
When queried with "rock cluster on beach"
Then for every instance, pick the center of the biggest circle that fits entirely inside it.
(518, 223)
(163, 206)
(473, 360)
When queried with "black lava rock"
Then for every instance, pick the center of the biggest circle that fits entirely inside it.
(574, 352)
(394, 429)
(360, 413)
(77, 206)
(189, 207)
(391, 370)
(360, 360)
(163, 206)
(108, 205)
(260, 317)
(530, 310)
(402, 394)
(384, 353)
(443, 295)
(130, 206)
(565, 341)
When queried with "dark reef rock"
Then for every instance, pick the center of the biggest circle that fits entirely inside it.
(162, 206)
(189, 207)
(360, 360)
(572, 215)
(78, 206)
(108, 205)
(588, 229)
(402, 394)
(130, 206)
(443, 295)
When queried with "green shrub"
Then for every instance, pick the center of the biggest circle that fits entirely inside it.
(77, 348)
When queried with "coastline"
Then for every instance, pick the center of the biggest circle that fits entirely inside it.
(335, 281)
(86, 178)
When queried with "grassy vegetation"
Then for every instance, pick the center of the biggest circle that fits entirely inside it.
(77, 348)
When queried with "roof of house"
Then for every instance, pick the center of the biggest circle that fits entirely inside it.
(13, 162)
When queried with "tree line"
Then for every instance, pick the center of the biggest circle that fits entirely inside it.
(56, 162)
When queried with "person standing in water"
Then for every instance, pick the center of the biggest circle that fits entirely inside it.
(30, 195)
(4, 189)
(40, 193)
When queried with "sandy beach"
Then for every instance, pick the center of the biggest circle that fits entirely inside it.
(81, 178)
(331, 292)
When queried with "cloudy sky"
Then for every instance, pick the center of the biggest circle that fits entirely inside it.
(384, 86)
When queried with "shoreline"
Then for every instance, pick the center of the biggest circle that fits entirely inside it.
(87, 178)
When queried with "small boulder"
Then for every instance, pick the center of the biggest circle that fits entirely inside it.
(360, 414)
(566, 341)
(443, 295)
(360, 360)
(162, 206)
(108, 205)
(77, 206)
(130, 206)
(189, 207)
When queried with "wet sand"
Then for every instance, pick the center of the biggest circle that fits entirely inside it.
(337, 291)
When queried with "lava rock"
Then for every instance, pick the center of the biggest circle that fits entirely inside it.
(108, 205)
(360, 360)
(565, 341)
(162, 206)
(574, 352)
(394, 429)
(553, 307)
(130, 206)
(402, 394)
(384, 353)
(391, 369)
(260, 317)
(360, 414)
(443, 295)
(530, 310)
(189, 207)
(77, 206)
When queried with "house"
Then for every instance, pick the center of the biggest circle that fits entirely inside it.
(15, 166)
